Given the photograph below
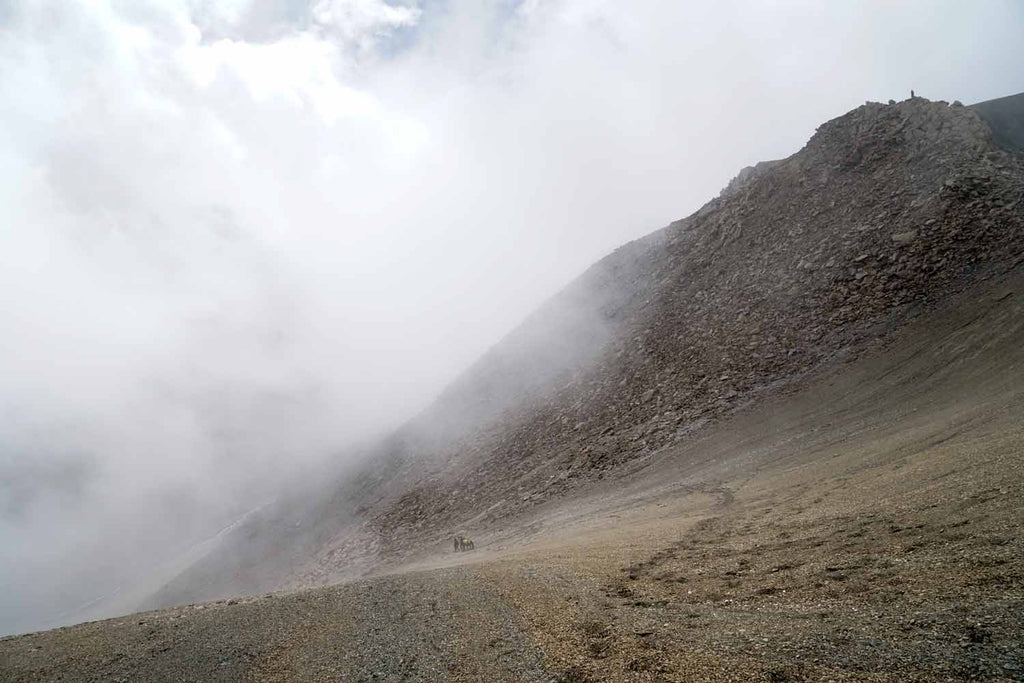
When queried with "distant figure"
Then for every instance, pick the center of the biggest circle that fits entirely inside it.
(455, 540)
(911, 93)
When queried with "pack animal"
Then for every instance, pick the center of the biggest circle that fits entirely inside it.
(462, 544)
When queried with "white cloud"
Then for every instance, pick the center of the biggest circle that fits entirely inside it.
(230, 12)
(362, 22)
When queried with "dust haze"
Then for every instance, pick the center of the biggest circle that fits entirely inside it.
(239, 237)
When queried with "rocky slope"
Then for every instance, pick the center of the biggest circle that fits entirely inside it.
(885, 212)
(862, 528)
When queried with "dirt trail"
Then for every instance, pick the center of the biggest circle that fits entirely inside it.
(865, 527)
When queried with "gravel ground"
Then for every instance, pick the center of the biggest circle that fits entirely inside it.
(443, 625)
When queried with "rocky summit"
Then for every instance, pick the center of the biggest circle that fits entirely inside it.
(778, 439)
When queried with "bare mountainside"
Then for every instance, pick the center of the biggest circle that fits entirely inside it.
(780, 439)
(863, 527)
(886, 211)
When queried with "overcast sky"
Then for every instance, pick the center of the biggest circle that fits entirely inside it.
(237, 234)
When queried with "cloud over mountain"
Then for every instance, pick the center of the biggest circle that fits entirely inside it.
(241, 234)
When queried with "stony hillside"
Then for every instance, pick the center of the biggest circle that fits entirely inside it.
(887, 211)
(864, 527)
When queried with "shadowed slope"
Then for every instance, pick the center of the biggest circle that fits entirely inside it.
(1005, 116)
